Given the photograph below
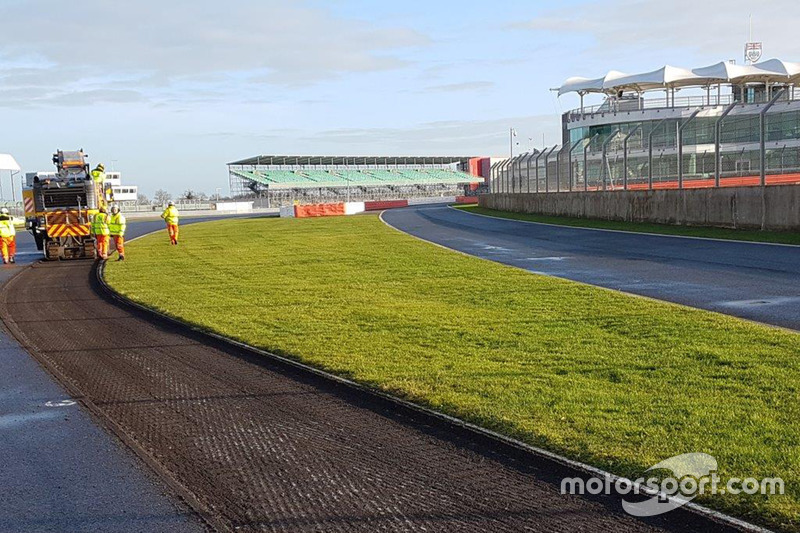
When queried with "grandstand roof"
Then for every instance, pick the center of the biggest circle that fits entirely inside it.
(350, 160)
(770, 71)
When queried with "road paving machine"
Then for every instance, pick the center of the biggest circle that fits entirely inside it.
(59, 208)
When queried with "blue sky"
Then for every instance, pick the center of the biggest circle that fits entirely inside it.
(168, 92)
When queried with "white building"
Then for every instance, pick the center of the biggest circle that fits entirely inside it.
(122, 193)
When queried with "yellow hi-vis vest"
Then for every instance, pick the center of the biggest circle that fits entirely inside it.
(170, 215)
(100, 224)
(98, 176)
(116, 224)
(7, 226)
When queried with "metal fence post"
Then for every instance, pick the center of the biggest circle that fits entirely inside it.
(718, 142)
(679, 142)
(536, 168)
(586, 162)
(650, 153)
(528, 170)
(603, 171)
(625, 157)
(546, 172)
(569, 158)
(762, 119)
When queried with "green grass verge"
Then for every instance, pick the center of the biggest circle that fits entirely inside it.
(617, 381)
(778, 237)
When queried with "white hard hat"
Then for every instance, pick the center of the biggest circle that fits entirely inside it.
(115, 209)
(4, 211)
(170, 203)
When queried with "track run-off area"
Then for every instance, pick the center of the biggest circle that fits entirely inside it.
(254, 443)
(750, 280)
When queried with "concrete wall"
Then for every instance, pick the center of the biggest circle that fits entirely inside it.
(775, 207)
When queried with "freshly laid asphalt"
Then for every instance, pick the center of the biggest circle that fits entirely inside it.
(256, 444)
(749, 280)
(59, 470)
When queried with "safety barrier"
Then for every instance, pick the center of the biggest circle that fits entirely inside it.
(387, 204)
(352, 208)
(319, 210)
(466, 199)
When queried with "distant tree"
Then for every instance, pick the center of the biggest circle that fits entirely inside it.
(202, 196)
(189, 195)
(162, 197)
(142, 199)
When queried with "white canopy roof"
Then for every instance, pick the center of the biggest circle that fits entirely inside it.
(771, 71)
(587, 85)
(7, 162)
(667, 76)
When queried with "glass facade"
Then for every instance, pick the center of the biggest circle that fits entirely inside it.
(582, 163)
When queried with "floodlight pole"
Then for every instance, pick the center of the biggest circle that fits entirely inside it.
(625, 156)
(762, 119)
(650, 153)
(718, 142)
(679, 141)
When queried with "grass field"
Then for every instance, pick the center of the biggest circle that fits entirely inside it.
(779, 237)
(617, 381)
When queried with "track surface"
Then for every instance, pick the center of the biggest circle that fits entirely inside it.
(749, 280)
(59, 470)
(263, 447)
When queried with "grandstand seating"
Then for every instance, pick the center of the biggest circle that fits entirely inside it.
(300, 179)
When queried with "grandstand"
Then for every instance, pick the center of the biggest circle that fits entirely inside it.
(283, 180)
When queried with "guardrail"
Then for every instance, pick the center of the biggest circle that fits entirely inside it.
(618, 105)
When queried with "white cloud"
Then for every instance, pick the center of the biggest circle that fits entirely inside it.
(288, 42)
(627, 30)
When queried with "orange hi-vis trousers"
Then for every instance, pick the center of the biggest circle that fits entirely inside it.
(172, 229)
(102, 246)
(9, 247)
(119, 244)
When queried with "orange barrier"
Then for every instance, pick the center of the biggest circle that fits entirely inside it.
(388, 204)
(466, 199)
(318, 210)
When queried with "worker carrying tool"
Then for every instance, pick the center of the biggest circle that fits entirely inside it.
(8, 237)
(170, 216)
(99, 174)
(101, 232)
(116, 228)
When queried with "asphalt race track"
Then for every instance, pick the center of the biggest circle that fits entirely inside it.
(254, 444)
(756, 281)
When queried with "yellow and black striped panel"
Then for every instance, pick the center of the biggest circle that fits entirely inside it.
(67, 230)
